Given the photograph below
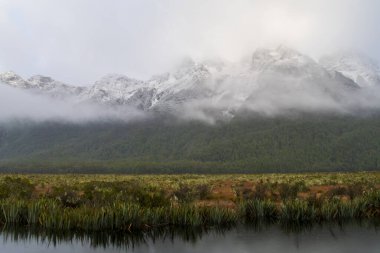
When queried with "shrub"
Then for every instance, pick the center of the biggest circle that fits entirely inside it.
(260, 191)
(105, 193)
(313, 200)
(336, 192)
(203, 190)
(290, 191)
(67, 196)
(20, 188)
(355, 190)
(155, 198)
(246, 194)
(287, 191)
(185, 194)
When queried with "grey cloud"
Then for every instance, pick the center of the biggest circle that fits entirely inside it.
(16, 104)
(79, 41)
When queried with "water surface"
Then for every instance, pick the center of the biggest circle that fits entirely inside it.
(274, 238)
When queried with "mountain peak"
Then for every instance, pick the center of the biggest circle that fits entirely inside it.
(280, 52)
(42, 81)
(8, 73)
(12, 79)
(271, 71)
(40, 78)
(116, 81)
(354, 65)
(113, 89)
(116, 77)
(279, 58)
(286, 51)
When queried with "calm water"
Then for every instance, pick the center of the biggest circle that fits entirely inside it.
(327, 238)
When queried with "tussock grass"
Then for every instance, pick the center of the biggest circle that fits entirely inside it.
(141, 203)
(52, 215)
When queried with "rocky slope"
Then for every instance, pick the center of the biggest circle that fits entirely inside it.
(278, 75)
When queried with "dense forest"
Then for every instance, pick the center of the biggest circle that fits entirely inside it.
(244, 144)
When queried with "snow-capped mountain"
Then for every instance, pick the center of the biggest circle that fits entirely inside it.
(278, 75)
(14, 80)
(356, 66)
(288, 64)
(114, 89)
(40, 84)
(191, 81)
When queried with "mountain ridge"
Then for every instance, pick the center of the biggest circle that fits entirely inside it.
(279, 111)
(223, 86)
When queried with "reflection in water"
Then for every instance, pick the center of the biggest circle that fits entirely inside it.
(258, 237)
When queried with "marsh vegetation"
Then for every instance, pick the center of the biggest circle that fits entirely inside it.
(136, 203)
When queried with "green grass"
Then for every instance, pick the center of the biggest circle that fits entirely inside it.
(141, 203)
(50, 215)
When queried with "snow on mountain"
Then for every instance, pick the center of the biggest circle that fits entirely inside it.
(163, 91)
(13, 79)
(281, 59)
(287, 63)
(276, 75)
(279, 75)
(40, 84)
(113, 89)
(191, 81)
(52, 87)
(356, 66)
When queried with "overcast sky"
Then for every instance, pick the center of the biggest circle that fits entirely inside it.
(78, 41)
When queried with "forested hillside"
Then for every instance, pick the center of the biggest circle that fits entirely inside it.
(245, 144)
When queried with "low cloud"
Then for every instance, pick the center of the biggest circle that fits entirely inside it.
(16, 104)
(284, 96)
(79, 41)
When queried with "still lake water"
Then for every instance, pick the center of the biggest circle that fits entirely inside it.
(327, 238)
